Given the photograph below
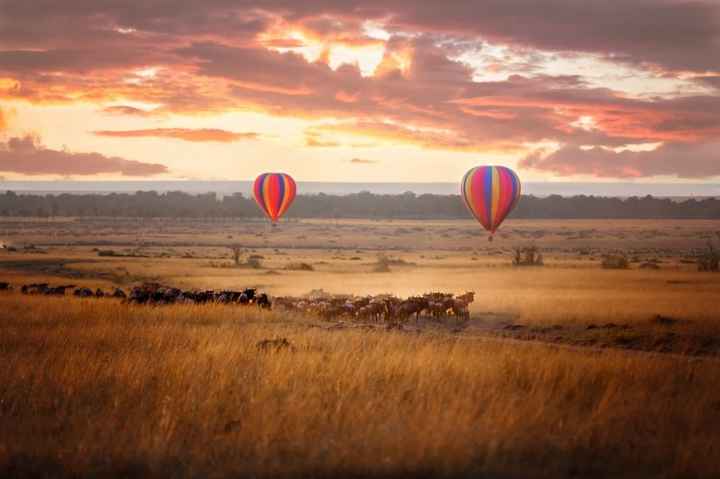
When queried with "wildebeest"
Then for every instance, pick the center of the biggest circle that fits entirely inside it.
(461, 305)
(439, 304)
(34, 288)
(119, 293)
(83, 293)
(154, 293)
(415, 305)
(263, 301)
(45, 288)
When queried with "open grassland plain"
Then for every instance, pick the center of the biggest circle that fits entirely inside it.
(567, 369)
(100, 388)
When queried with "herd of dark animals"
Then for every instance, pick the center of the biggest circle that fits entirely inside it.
(378, 308)
(151, 293)
(381, 308)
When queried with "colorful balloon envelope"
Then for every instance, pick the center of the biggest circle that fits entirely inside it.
(274, 193)
(490, 193)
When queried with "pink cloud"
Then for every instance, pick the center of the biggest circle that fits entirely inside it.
(25, 155)
(674, 159)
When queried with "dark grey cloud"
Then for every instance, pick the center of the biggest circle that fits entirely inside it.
(674, 34)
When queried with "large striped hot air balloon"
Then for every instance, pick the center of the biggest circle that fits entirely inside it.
(274, 193)
(490, 193)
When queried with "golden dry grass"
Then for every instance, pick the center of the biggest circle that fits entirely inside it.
(442, 255)
(98, 388)
(101, 388)
(555, 294)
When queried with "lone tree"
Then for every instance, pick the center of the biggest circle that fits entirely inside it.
(709, 260)
(236, 253)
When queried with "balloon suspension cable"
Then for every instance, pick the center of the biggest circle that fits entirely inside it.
(490, 238)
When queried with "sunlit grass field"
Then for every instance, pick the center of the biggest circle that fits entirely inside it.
(98, 387)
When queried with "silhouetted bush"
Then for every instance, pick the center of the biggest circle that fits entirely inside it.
(252, 262)
(615, 261)
(527, 256)
(299, 267)
(382, 265)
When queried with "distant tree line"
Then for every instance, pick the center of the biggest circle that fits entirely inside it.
(360, 205)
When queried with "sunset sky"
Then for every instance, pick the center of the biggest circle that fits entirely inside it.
(391, 90)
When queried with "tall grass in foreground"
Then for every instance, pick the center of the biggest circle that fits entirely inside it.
(99, 388)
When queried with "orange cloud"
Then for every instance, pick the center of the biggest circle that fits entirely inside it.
(345, 97)
(127, 110)
(361, 161)
(496, 114)
(266, 88)
(315, 143)
(25, 155)
(425, 138)
(186, 134)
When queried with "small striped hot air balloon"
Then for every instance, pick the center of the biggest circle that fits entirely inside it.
(490, 193)
(274, 193)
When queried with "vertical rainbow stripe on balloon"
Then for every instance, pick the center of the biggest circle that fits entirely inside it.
(490, 193)
(274, 193)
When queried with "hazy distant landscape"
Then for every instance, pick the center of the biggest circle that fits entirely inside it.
(175, 204)
(225, 188)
